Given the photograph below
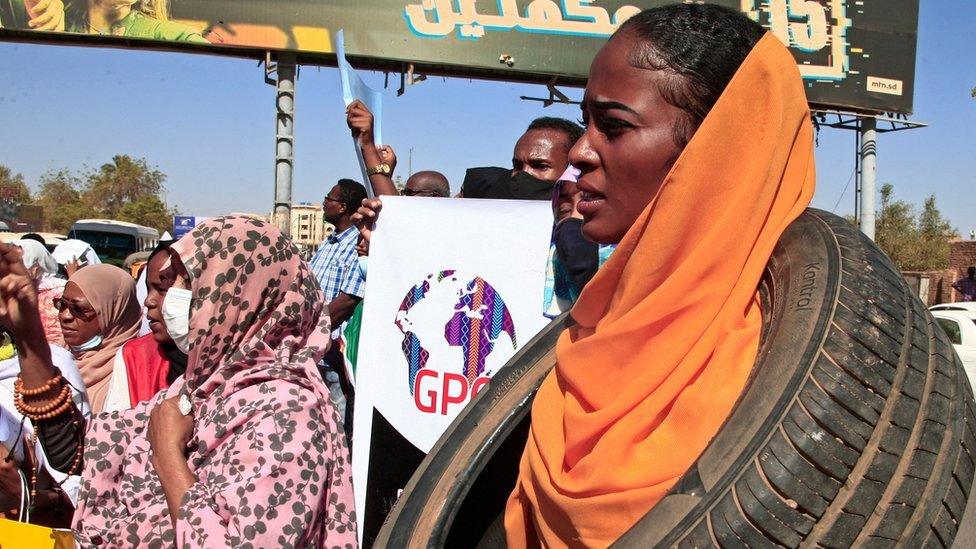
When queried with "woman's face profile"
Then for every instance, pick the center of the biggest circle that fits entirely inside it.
(79, 321)
(159, 278)
(629, 144)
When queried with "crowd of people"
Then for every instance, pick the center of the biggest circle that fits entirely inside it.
(228, 423)
(126, 361)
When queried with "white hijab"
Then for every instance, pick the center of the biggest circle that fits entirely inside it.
(36, 254)
(73, 249)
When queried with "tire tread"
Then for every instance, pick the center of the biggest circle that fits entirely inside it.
(869, 432)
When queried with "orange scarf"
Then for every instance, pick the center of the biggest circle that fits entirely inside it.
(669, 328)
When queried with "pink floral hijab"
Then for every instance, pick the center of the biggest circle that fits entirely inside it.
(267, 450)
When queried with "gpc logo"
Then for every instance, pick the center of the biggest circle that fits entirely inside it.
(440, 316)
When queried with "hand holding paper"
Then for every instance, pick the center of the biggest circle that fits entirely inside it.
(365, 217)
(364, 113)
(360, 121)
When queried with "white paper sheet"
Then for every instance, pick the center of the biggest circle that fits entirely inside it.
(354, 88)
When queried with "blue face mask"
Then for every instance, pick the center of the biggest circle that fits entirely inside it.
(89, 345)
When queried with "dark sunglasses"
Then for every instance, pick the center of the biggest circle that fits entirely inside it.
(421, 192)
(76, 310)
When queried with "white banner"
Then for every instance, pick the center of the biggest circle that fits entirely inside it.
(454, 288)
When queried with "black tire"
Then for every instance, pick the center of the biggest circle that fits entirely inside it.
(856, 427)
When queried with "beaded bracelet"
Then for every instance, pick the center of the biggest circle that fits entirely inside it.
(52, 383)
(62, 395)
(28, 410)
(50, 409)
(64, 407)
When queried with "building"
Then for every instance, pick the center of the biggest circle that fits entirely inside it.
(935, 287)
(308, 227)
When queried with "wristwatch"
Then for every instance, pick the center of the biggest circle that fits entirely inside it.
(383, 168)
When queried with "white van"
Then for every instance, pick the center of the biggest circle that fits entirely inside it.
(959, 322)
(113, 240)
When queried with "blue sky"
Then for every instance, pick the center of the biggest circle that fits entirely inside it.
(208, 123)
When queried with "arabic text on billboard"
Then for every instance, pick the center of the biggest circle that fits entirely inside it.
(852, 54)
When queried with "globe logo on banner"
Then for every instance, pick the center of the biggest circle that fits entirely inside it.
(445, 313)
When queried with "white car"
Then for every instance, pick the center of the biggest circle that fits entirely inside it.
(960, 306)
(959, 324)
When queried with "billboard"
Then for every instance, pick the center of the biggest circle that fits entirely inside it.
(183, 224)
(30, 216)
(853, 54)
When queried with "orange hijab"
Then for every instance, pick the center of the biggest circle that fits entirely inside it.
(669, 327)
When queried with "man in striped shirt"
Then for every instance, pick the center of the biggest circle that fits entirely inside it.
(335, 264)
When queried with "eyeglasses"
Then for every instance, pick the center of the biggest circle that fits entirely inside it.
(330, 199)
(420, 192)
(76, 310)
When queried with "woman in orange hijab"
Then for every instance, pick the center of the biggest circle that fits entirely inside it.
(698, 154)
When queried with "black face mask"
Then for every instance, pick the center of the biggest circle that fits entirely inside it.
(499, 183)
(527, 187)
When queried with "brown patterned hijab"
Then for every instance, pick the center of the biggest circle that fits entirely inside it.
(270, 460)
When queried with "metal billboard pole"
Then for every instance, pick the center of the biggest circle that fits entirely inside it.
(866, 154)
(284, 68)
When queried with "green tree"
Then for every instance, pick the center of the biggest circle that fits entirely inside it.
(123, 180)
(12, 187)
(934, 233)
(60, 196)
(894, 230)
(149, 211)
(915, 242)
(125, 189)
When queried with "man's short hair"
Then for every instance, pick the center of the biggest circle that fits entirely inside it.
(437, 182)
(570, 129)
(34, 236)
(351, 193)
